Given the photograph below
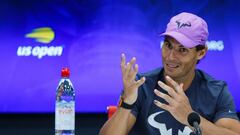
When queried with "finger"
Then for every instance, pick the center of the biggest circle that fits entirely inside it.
(162, 105)
(132, 76)
(129, 67)
(140, 82)
(133, 60)
(169, 90)
(174, 84)
(166, 97)
(181, 85)
(123, 62)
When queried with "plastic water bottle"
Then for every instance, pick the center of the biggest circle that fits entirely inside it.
(65, 106)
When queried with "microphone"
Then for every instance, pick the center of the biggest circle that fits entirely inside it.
(194, 121)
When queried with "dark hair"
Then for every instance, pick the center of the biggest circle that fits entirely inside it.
(198, 48)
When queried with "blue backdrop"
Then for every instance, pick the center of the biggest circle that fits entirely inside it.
(38, 38)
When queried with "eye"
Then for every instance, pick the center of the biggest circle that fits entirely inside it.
(167, 45)
(183, 50)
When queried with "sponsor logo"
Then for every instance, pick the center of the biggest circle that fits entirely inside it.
(44, 35)
(215, 45)
(163, 128)
(39, 51)
(181, 24)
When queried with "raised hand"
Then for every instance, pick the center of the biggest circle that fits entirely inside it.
(178, 103)
(130, 85)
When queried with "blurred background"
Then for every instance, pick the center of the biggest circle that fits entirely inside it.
(39, 38)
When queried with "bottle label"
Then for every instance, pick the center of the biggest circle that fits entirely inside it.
(65, 115)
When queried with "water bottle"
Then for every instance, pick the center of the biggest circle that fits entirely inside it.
(65, 106)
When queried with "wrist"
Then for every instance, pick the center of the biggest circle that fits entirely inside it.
(126, 104)
(129, 99)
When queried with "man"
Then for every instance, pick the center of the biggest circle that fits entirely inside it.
(159, 102)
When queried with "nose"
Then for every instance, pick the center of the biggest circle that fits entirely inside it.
(171, 54)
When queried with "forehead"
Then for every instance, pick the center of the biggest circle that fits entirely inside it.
(173, 41)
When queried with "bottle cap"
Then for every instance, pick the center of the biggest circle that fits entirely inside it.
(65, 72)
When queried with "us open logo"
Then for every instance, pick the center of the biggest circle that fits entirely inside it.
(44, 35)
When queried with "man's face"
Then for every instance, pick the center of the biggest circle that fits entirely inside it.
(178, 61)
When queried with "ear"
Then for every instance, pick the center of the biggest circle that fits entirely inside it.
(202, 53)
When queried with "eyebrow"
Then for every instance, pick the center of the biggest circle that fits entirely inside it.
(183, 46)
(166, 40)
(180, 45)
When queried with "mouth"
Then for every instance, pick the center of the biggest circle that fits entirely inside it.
(172, 65)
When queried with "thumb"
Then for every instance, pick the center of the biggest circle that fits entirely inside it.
(141, 81)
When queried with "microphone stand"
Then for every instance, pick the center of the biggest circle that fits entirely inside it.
(194, 121)
(197, 129)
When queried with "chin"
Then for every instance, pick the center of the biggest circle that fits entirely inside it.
(172, 74)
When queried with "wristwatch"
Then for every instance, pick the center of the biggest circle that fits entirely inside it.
(125, 105)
